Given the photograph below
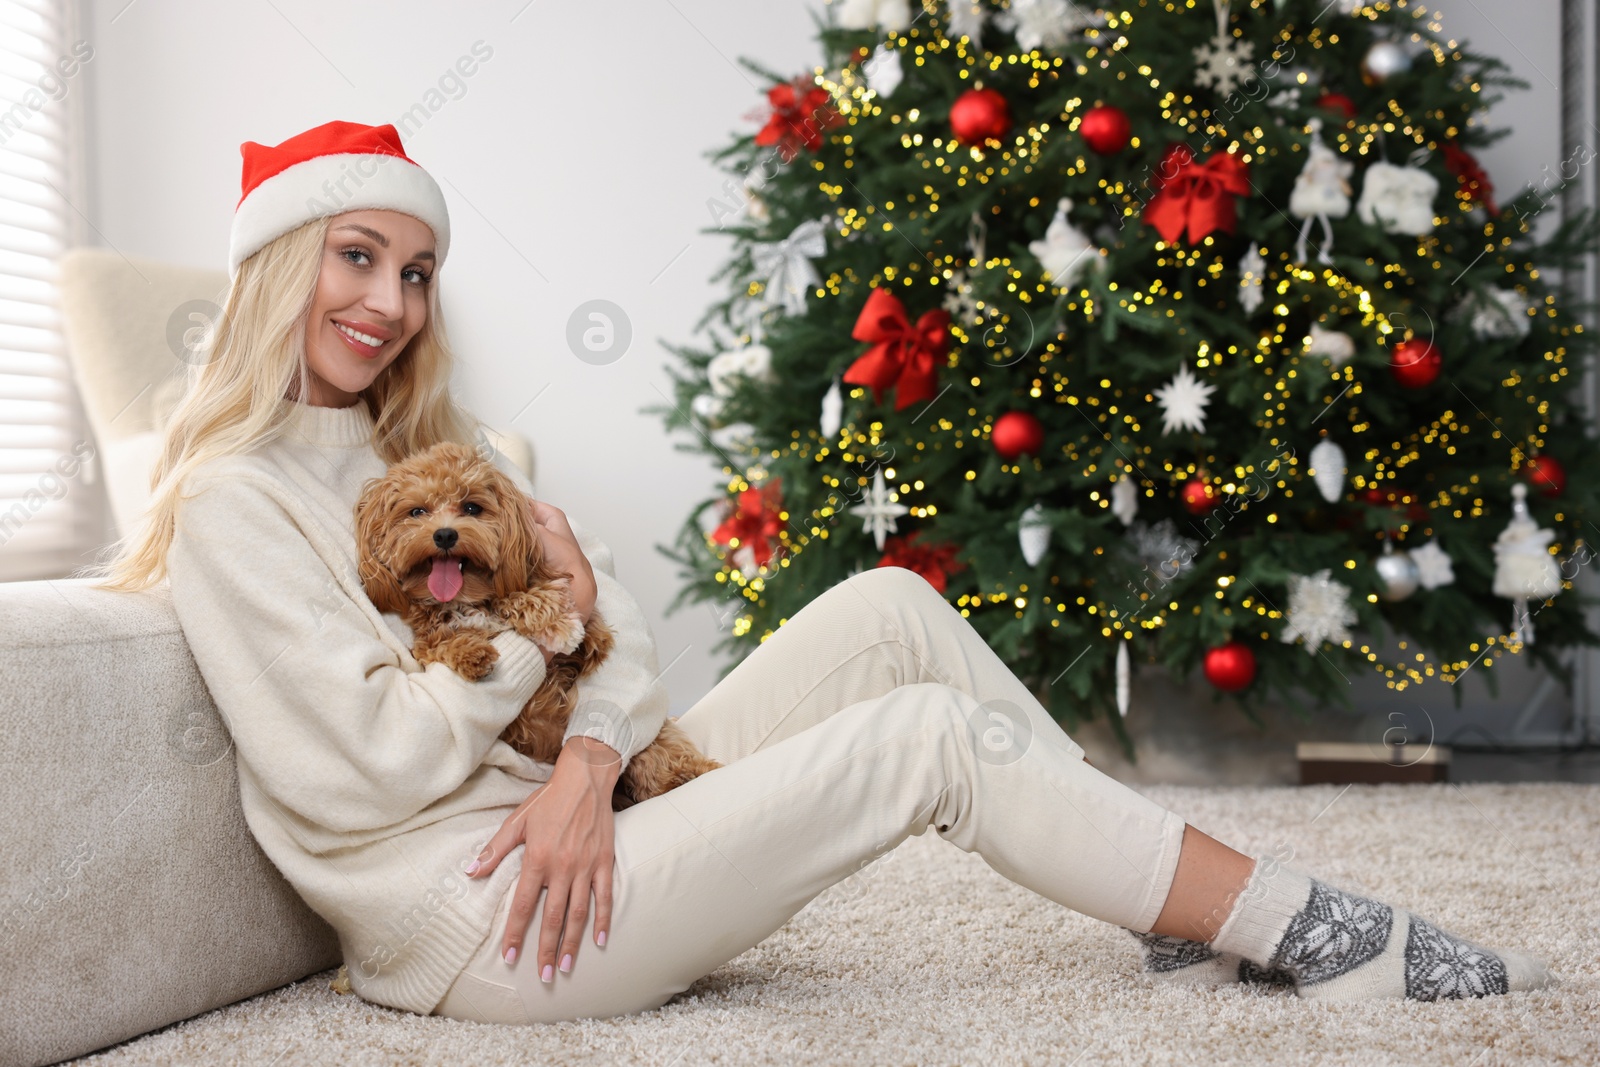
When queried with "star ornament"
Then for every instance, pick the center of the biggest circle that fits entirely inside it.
(1183, 402)
(879, 510)
(1319, 610)
(1433, 565)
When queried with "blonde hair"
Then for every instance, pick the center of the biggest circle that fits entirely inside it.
(254, 356)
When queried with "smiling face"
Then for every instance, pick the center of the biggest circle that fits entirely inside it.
(371, 299)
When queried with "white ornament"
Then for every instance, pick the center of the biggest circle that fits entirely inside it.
(752, 361)
(1045, 23)
(1433, 565)
(1337, 346)
(1252, 276)
(879, 510)
(1033, 532)
(1498, 313)
(832, 409)
(786, 266)
(1397, 572)
(1161, 549)
(707, 405)
(1328, 470)
(1183, 402)
(1319, 610)
(734, 437)
(1124, 681)
(883, 71)
(1400, 199)
(1321, 192)
(1124, 499)
(1524, 570)
(1065, 251)
(1384, 60)
(891, 15)
(966, 20)
(1224, 63)
(959, 301)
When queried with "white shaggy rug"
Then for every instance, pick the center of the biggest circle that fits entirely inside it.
(930, 957)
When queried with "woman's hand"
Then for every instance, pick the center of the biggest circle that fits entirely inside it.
(561, 551)
(566, 828)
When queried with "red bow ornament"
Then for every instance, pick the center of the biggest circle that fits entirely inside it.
(903, 357)
(756, 518)
(934, 562)
(1198, 197)
(799, 117)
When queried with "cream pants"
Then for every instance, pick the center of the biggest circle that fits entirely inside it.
(875, 712)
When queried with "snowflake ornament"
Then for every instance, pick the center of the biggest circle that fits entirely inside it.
(1433, 565)
(1045, 23)
(1223, 63)
(1319, 610)
(959, 301)
(1183, 402)
(879, 510)
(1252, 274)
(966, 20)
(1161, 549)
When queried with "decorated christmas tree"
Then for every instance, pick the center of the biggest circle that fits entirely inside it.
(1178, 332)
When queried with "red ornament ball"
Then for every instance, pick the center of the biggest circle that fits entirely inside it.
(1338, 102)
(1199, 497)
(1546, 474)
(1415, 363)
(1105, 129)
(979, 115)
(1017, 432)
(1231, 667)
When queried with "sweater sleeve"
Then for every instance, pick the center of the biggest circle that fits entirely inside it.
(623, 703)
(319, 705)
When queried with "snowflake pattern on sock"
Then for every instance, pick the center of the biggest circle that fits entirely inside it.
(1335, 932)
(1441, 967)
(1250, 974)
(1163, 954)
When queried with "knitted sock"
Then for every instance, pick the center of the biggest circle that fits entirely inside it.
(1178, 961)
(1338, 946)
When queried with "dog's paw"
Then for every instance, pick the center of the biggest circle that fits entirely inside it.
(565, 636)
(475, 661)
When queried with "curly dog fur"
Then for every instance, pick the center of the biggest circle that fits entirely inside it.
(446, 541)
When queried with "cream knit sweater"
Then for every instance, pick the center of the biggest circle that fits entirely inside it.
(369, 781)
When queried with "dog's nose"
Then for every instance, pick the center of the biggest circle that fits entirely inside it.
(445, 538)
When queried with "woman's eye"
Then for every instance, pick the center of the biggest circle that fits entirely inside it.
(469, 508)
(417, 513)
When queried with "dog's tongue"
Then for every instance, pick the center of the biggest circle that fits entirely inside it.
(445, 581)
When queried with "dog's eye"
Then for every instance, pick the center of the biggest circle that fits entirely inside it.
(469, 508)
(417, 513)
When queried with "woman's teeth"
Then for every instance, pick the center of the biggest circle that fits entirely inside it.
(363, 338)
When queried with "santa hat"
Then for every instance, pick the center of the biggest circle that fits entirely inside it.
(328, 170)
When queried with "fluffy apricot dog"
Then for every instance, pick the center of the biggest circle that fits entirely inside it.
(446, 541)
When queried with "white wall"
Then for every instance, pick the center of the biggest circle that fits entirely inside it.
(573, 162)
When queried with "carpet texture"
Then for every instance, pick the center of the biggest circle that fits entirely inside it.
(929, 957)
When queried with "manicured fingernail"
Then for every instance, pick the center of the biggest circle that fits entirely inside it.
(472, 868)
(511, 954)
(601, 940)
(566, 963)
(548, 974)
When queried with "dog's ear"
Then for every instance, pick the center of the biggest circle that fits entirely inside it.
(373, 520)
(520, 554)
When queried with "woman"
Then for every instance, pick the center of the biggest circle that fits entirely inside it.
(383, 794)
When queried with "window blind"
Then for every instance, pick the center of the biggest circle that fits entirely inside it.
(50, 509)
